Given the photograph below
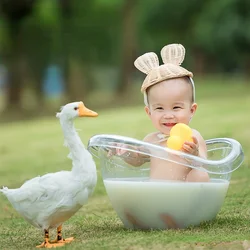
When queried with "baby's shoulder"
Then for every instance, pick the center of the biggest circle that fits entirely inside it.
(152, 137)
(196, 133)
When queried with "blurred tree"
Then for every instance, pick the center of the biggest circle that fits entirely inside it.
(94, 36)
(41, 35)
(76, 35)
(129, 42)
(222, 31)
(216, 33)
(14, 12)
(66, 13)
(91, 38)
(162, 22)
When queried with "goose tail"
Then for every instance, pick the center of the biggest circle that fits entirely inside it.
(4, 190)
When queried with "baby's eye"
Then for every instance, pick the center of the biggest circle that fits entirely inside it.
(159, 108)
(177, 107)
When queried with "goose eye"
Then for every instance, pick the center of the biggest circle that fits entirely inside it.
(75, 108)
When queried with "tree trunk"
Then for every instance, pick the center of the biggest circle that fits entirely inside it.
(128, 44)
(247, 71)
(66, 12)
(199, 63)
(14, 67)
(14, 12)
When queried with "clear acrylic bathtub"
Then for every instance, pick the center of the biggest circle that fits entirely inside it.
(143, 203)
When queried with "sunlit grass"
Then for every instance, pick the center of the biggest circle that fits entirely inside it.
(32, 148)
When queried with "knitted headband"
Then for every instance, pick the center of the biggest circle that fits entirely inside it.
(172, 56)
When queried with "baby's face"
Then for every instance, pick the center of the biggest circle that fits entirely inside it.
(170, 102)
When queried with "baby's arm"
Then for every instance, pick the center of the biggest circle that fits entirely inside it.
(198, 148)
(135, 159)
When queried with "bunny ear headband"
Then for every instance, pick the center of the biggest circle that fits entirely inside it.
(172, 56)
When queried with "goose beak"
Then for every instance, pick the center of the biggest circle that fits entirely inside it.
(83, 111)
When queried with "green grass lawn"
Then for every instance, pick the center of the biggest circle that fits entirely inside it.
(32, 148)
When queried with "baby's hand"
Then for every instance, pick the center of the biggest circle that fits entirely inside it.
(191, 147)
(111, 151)
(117, 151)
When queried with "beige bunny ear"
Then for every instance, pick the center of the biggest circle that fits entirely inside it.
(173, 53)
(147, 62)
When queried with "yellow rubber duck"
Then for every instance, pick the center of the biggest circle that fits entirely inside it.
(178, 135)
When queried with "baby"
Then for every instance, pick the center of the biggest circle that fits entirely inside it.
(169, 97)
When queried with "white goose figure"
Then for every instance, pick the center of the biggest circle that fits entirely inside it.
(47, 201)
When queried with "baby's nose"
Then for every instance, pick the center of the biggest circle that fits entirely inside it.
(168, 114)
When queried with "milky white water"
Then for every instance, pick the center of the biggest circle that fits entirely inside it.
(146, 200)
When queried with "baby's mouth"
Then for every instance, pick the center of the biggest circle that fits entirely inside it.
(168, 124)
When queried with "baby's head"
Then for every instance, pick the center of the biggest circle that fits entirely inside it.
(172, 56)
(169, 91)
(172, 90)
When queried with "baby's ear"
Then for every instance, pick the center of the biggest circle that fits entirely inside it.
(147, 62)
(147, 110)
(194, 108)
